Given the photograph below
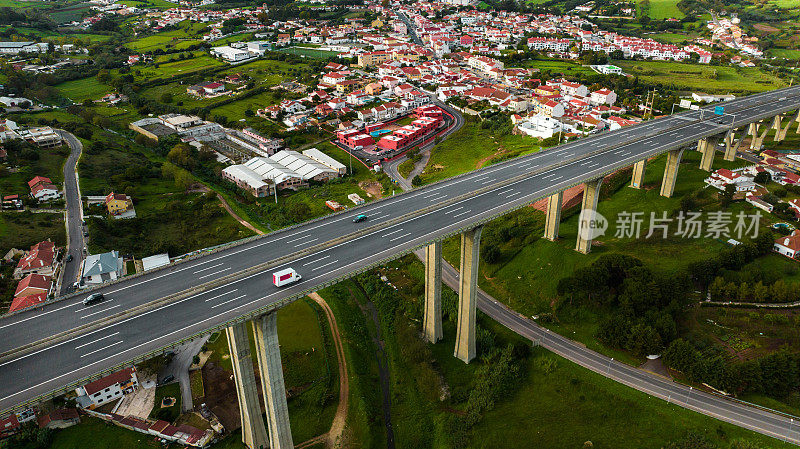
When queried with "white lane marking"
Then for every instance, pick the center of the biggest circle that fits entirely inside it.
(487, 181)
(221, 295)
(225, 302)
(126, 320)
(431, 194)
(513, 194)
(40, 315)
(400, 237)
(454, 210)
(101, 349)
(462, 213)
(305, 243)
(393, 232)
(95, 341)
(298, 238)
(99, 311)
(103, 303)
(323, 266)
(214, 273)
(316, 260)
(208, 268)
(245, 278)
(644, 128)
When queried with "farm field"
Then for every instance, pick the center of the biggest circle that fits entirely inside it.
(663, 9)
(82, 89)
(186, 35)
(168, 69)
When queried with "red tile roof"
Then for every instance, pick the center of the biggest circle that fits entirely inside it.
(39, 179)
(35, 282)
(119, 377)
(22, 302)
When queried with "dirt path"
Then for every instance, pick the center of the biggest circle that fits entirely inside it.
(337, 427)
(244, 223)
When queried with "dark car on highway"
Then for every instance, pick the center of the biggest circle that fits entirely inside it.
(359, 218)
(93, 298)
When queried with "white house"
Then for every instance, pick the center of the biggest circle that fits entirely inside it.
(100, 268)
(789, 245)
(107, 389)
(603, 96)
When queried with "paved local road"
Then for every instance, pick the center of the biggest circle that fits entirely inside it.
(72, 196)
(395, 226)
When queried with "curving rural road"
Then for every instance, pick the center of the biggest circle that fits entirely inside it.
(74, 218)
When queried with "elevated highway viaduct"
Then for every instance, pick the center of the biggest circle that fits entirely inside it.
(52, 348)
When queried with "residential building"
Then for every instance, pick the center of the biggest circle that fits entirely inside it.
(101, 268)
(789, 245)
(39, 260)
(107, 389)
(118, 203)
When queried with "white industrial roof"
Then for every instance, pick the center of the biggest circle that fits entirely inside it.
(158, 260)
(319, 156)
(266, 168)
(304, 166)
(247, 175)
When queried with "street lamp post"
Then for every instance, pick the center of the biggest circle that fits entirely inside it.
(608, 369)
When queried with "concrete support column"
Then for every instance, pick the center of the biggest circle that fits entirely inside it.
(265, 329)
(637, 180)
(671, 172)
(780, 134)
(707, 148)
(730, 149)
(752, 130)
(467, 291)
(254, 434)
(432, 319)
(553, 216)
(591, 194)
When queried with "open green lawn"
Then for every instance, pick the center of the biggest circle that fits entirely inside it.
(562, 405)
(558, 66)
(786, 4)
(663, 9)
(309, 52)
(672, 38)
(785, 53)
(168, 69)
(171, 413)
(82, 89)
(703, 77)
(472, 147)
(160, 4)
(187, 34)
(22, 229)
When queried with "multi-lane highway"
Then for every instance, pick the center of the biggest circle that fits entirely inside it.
(332, 248)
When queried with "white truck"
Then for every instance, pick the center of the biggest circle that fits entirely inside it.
(285, 277)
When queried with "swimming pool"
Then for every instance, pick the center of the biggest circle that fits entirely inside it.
(378, 132)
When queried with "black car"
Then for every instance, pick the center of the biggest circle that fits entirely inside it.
(69, 258)
(167, 379)
(93, 298)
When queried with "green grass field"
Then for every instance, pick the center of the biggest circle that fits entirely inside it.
(22, 229)
(786, 4)
(663, 9)
(309, 52)
(168, 69)
(470, 147)
(82, 89)
(187, 34)
(703, 77)
(160, 4)
(785, 53)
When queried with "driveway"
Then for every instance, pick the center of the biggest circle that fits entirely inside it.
(178, 367)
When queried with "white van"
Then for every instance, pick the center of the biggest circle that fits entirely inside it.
(285, 277)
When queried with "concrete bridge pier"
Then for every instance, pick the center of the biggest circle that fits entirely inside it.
(671, 172)
(730, 148)
(553, 216)
(780, 134)
(254, 434)
(758, 140)
(637, 180)
(467, 290)
(432, 319)
(265, 330)
(591, 195)
(752, 131)
(707, 147)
